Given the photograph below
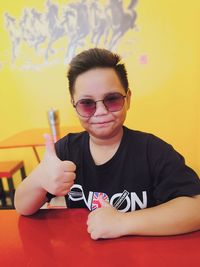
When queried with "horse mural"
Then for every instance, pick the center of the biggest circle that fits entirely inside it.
(76, 22)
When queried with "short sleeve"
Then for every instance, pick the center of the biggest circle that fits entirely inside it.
(171, 176)
(49, 196)
(62, 148)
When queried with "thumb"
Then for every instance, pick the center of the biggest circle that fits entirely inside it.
(49, 144)
(104, 203)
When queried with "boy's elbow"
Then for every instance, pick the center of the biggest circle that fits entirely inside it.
(24, 211)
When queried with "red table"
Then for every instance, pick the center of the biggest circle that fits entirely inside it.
(60, 238)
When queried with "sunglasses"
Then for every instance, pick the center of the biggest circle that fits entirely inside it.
(112, 102)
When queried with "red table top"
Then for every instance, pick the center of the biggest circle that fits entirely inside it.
(60, 238)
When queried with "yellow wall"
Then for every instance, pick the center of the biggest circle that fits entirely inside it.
(165, 89)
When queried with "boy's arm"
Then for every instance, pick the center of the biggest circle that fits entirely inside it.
(177, 216)
(30, 196)
(51, 175)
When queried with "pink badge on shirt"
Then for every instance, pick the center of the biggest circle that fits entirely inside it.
(96, 200)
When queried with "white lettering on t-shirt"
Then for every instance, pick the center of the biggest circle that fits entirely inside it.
(135, 199)
(77, 194)
(127, 199)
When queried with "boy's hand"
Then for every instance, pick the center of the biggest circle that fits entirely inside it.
(58, 175)
(105, 222)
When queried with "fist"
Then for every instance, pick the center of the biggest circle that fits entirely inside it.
(105, 222)
(57, 176)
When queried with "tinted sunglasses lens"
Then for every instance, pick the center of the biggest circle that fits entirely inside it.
(86, 107)
(114, 102)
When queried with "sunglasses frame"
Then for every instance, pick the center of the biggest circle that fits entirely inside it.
(100, 100)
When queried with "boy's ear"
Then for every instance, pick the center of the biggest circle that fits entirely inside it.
(72, 101)
(128, 98)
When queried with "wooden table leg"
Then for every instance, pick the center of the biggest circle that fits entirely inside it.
(2, 195)
(23, 173)
(36, 154)
(11, 190)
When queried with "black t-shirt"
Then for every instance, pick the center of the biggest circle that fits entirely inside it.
(144, 172)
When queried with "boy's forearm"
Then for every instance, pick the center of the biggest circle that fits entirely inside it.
(30, 196)
(177, 216)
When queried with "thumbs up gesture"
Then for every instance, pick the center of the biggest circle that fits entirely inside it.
(58, 176)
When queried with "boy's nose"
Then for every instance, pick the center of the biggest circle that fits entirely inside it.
(100, 109)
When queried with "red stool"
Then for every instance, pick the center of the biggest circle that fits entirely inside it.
(7, 169)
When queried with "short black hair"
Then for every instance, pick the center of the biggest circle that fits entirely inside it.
(96, 58)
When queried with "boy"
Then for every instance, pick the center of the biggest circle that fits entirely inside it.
(109, 168)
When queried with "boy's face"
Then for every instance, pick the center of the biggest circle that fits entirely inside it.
(95, 84)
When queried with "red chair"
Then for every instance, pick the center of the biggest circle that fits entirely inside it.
(7, 169)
